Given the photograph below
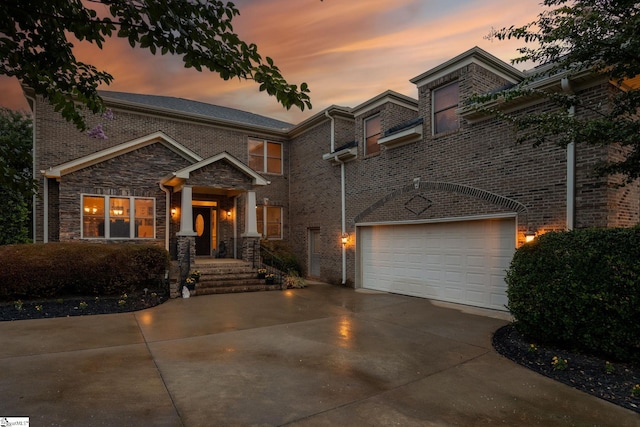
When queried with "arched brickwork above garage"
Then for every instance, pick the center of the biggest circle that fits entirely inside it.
(432, 199)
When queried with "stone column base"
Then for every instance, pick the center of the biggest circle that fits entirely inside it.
(249, 245)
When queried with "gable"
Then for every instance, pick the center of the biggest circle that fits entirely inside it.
(119, 150)
(202, 168)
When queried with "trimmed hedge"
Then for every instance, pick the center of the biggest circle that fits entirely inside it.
(580, 290)
(49, 270)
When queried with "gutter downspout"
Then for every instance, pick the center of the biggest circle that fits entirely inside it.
(571, 163)
(342, 196)
(167, 215)
(343, 213)
(45, 210)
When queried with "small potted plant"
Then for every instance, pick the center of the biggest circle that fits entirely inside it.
(195, 275)
(262, 273)
(270, 279)
(190, 283)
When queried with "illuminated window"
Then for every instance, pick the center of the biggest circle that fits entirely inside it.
(445, 104)
(118, 221)
(272, 217)
(265, 156)
(372, 132)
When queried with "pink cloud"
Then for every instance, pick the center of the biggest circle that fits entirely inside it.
(347, 52)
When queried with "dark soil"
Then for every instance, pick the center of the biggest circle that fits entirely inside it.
(609, 381)
(78, 306)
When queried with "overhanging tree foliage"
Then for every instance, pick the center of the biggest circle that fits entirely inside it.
(16, 183)
(36, 41)
(573, 37)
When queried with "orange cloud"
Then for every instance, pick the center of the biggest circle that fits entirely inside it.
(347, 52)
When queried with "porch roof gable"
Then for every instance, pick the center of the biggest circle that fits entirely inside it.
(179, 177)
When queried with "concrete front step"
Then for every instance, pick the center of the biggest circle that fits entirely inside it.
(228, 277)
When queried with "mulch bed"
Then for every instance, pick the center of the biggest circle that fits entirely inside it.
(587, 373)
(78, 306)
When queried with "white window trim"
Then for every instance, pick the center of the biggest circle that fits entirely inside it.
(265, 159)
(433, 107)
(107, 217)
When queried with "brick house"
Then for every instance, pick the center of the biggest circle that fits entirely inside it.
(423, 196)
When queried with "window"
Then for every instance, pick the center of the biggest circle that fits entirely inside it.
(112, 218)
(272, 217)
(372, 131)
(445, 103)
(265, 156)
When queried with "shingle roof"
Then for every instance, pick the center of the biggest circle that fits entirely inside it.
(199, 108)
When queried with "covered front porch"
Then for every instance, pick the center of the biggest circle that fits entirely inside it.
(213, 210)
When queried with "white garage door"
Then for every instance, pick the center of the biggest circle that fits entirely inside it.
(462, 262)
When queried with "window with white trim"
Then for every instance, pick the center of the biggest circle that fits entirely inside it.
(372, 133)
(112, 217)
(265, 156)
(445, 104)
(272, 217)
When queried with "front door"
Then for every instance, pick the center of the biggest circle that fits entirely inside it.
(314, 252)
(202, 225)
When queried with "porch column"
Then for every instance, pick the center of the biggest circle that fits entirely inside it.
(251, 237)
(251, 225)
(186, 214)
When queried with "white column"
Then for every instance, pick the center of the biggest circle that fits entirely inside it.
(186, 214)
(251, 224)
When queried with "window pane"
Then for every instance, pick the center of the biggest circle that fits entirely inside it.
(119, 217)
(446, 121)
(372, 145)
(373, 129)
(92, 216)
(274, 150)
(144, 216)
(373, 126)
(256, 163)
(274, 222)
(256, 148)
(274, 166)
(445, 97)
(256, 155)
(274, 157)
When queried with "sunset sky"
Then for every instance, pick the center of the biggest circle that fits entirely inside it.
(347, 51)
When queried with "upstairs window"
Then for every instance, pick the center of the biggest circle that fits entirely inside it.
(265, 156)
(445, 104)
(372, 132)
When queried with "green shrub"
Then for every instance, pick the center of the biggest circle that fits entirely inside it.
(580, 290)
(57, 269)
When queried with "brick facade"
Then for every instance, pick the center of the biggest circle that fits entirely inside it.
(474, 171)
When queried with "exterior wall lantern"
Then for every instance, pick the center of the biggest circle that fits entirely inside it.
(174, 212)
(345, 239)
(529, 236)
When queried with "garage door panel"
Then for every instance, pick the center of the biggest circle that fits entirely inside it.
(461, 262)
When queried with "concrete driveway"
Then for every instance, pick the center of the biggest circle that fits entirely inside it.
(321, 356)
